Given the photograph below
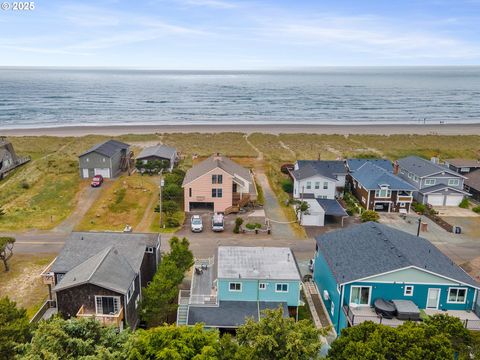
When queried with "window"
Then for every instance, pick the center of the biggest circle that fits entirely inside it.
(131, 290)
(410, 175)
(137, 300)
(332, 308)
(464, 169)
(453, 182)
(355, 183)
(363, 200)
(457, 295)
(309, 185)
(415, 178)
(360, 295)
(408, 290)
(281, 288)
(190, 192)
(430, 182)
(317, 185)
(87, 159)
(103, 159)
(262, 286)
(60, 277)
(217, 193)
(235, 286)
(217, 179)
(325, 185)
(402, 204)
(383, 193)
(149, 249)
(107, 305)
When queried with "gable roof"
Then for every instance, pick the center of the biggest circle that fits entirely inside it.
(372, 177)
(473, 180)
(325, 168)
(108, 269)
(107, 148)
(354, 164)
(255, 262)
(222, 162)
(81, 246)
(371, 249)
(464, 163)
(161, 151)
(439, 187)
(421, 167)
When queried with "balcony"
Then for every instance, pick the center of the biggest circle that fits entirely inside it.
(48, 277)
(240, 199)
(358, 315)
(105, 319)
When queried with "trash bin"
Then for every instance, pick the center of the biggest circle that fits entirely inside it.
(457, 229)
(424, 227)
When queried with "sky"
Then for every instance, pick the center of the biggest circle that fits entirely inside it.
(232, 34)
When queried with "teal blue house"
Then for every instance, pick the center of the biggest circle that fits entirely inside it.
(243, 282)
(354, 267)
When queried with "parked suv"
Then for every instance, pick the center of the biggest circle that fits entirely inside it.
(97, 181)
(218, 223)
(196, 223)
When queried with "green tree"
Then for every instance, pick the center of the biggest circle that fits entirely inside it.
(75, 339)
(277, 337)
(6, 250)
(375, 341)
(369, 215)
(170, 207)
(14, 328)
(170, 342)
(172, 192)
(464, 204)
(160, 295)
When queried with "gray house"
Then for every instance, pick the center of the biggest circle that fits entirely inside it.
(100, 275)
(436, 185)
(165, 154)
(9, 160)
(107, 159)
(463, 166)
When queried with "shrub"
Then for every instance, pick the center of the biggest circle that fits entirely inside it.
(464, 204)
(419, 208)
(251, 226)
(172, 191)
(476, 209)
(238, 223)
(169, 207)
(287, 185)
(25, 185)
(369, 215)
(172, 222)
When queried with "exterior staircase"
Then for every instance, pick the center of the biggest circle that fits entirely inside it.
(182, 310)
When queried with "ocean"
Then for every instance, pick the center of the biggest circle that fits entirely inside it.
(49, 97)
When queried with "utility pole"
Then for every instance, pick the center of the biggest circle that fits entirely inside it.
(419, 224)
(160, 197)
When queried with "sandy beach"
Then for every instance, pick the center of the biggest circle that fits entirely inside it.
(436, 129)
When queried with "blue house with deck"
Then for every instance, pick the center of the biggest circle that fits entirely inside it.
(243, 282)
(355, 267)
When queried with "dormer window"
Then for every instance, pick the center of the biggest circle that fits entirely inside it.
(384, 192)
(453, 182)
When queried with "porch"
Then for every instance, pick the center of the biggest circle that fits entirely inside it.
(105, 319)
(360, 314)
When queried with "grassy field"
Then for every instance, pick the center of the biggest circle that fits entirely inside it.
(125, 202)
(23, 283)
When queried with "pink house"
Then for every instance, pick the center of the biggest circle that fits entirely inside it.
(218, 184)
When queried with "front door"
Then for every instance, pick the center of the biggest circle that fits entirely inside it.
(433, 298)
(85, 173)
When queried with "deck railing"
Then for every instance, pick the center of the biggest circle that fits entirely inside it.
(105, 319)
(39, 314)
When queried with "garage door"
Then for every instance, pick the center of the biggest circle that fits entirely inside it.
(105, 172)
(453, 200)
(313, 219)
(435, 200)
(201, 206)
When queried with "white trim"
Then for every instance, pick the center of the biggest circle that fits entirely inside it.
(107, 296)
(438, 298)
(230, 288)
(369, 295)
(411, 290)
(208, 172)
(457, 302)
(262, 286)
(281, 291)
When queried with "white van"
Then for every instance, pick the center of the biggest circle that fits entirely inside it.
(218, 223)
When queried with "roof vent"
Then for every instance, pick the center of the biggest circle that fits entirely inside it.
(288, 257)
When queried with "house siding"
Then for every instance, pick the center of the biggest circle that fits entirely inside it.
(96, 160)
(202, 190)
(301, 186)
(251, 292)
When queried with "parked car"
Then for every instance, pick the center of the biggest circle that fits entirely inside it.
(218, 223)
(196, 223)
(97, 181)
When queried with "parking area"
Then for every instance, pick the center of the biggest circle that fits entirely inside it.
(455, 211)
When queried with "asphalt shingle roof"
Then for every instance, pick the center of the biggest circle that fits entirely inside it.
(372, 177)
(439, 187)
(161, 151)
(473, 180)
(332, 207)
(326, 168)
(464, 162)
(370, 249)
(354, 164)
(81, 246)
(421, 167)
(107, 148)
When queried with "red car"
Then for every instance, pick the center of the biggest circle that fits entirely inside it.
(97, 181)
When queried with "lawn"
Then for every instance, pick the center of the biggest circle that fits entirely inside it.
(125, 202)
(23, 283)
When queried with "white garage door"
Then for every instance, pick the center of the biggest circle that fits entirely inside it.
(317, 219)
(435, 200)
(453, 200)
(105, 172)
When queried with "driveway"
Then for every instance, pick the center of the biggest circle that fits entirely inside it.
(455, 211)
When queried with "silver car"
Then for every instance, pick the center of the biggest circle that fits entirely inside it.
(196, 223)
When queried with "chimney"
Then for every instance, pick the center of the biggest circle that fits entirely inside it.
(395, 167)
(434, 160)
(217, 156)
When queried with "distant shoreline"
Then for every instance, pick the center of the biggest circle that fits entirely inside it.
(113, 130)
